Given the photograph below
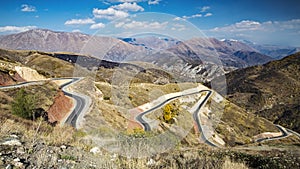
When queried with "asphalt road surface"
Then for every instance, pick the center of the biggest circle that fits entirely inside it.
(145, 125)
(283, 135)
(196, 116)
(80, 101)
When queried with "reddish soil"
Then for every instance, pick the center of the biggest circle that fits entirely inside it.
(6, 79)
(196, 129)
(60, 108)
(132, 124)
(18, 78)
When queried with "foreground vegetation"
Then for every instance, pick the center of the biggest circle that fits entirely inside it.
(70, 148)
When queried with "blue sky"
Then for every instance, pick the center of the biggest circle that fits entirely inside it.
(261, 21)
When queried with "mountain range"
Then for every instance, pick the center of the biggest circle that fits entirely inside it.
(200, 58)
(274, 51)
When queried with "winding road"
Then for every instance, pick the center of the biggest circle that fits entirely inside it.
(284, 134)
(81, 102)
(196, 116)
(143, 122)
(139, 118)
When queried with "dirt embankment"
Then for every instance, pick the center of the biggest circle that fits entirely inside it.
(60, 108)
(28, 73)
(9, 79)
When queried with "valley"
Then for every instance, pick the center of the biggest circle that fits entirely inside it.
(150, 84)
(148, 102)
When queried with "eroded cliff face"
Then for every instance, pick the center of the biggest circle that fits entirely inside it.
(60, 108)
(8, 75)
(28, 74)
(9, 78)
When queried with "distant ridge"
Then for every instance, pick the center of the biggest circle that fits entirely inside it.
(191, 58)
(271, 90)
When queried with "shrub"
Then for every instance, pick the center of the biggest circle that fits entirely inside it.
(24, 105)
(169, 112)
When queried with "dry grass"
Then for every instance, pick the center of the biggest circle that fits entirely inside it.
(59, 135)
(10, 126)
(50, 66)
(228, 164)
(44, 93)
(37, 131)
(141, 93)
(238, 127)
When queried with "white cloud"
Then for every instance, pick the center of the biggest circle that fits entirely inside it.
(178, 27)
(153, 2)
(128, 7)
(287, 25)
(109, 13)
(188, 17)
(193, 16)
(177, 18)
(198, 15)
(15, 29)
(142, 25)
(208, 14)
(97, 26)
(80, 21)
(205, 8)
(280, 32)
(76, 30)
(245, 25)
(28, 8)
(119, 24)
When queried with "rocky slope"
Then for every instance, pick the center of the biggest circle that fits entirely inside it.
(51, 41)
(61, 107)
(68, 65)
(8, 73)
(7, 78)
(13, 72)
(44, 40)
(251, 58)
(19, 151)
(29, 74)
(270, 90)
(231, 53)
(200, 58)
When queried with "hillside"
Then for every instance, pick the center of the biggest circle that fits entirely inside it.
(42, 62)
(44, 40)
(115, 75)
(52, 41)
(115, 89)
(8, 75)
(271, 90)
(200, 58)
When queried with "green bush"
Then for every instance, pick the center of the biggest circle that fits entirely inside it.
(24, 105)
